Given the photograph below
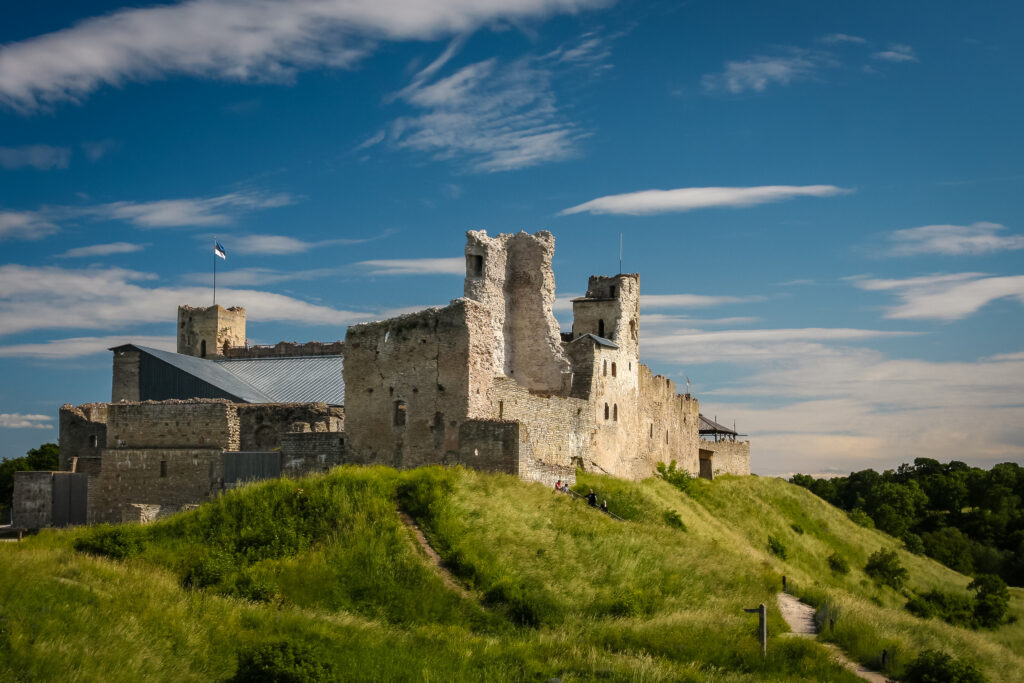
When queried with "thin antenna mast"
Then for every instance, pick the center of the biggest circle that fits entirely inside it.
(214, 271)
(620, 253)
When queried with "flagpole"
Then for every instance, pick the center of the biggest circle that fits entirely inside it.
(214, 271)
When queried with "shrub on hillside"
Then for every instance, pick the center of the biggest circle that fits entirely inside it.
(858, 516)
(933, 666)
(681, 479)
(913, 543)
(797, 529)
(991, 599)
(838, 564)
(951, 608)
(283, 662)
(884, 567)
(673, 519)
(117, 542)
(777, 547)
(527, 603)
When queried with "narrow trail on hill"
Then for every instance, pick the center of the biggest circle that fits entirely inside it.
(435, 560)
(800, 617)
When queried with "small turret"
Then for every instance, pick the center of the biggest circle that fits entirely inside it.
(611, 309)
(206, 332)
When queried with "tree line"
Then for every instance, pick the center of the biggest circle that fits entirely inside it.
(965, 517)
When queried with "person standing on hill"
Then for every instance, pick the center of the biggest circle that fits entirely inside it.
(592, 498)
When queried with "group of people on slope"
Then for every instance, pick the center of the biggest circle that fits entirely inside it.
(591, 497)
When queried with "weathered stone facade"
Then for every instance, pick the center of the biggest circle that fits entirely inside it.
(487, 382)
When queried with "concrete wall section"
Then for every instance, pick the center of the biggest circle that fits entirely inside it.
(200, 423)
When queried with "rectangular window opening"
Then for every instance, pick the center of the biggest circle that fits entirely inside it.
(163, 469)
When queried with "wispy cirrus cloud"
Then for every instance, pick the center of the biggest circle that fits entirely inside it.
(976, 238)
(284, 244)
(649, 202)
(760, 71)
(260, 40)
(416, 266)
(97, 149)
(25, 225)
(50, 297)
(648, 301)
(897, 53)
(102, 250)
(945, 296)
(840, 38)
(39, 157)
(26, 421)
(77, 347)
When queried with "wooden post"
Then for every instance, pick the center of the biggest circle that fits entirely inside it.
(783, 583)
(762, 626)
(885, 658)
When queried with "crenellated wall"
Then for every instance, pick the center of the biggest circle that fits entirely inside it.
(728, 457)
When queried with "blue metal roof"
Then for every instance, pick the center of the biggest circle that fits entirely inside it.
(600, 340)
(308, 379)
(305, 379)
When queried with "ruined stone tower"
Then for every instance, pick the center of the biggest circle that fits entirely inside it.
(511, 275)
(206, 332)
(611, 309)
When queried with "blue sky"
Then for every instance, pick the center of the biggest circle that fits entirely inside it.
(823, 199)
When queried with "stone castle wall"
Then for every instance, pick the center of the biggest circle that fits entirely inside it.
(206, 332)
(729, 457)
(286, 350)
(196, 423)
(83, 434)
(126, 376)
(305, 453)
(262, 426)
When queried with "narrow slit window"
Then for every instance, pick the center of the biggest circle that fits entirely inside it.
(501, 410)
(615, 412)
(600, 327)
(163, 469)
(400, 413)
(606, 411)
(202, 349)
(613, 369)
(606, 368)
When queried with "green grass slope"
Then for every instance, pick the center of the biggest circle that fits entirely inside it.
(555, 589)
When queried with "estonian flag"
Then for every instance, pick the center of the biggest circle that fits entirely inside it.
(219, 250)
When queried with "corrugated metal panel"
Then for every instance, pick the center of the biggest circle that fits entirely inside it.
(243, 466)
(165, 375)
(600, 340)
(292, 380)
(70, 491)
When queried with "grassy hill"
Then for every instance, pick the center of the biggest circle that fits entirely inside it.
(553, 589)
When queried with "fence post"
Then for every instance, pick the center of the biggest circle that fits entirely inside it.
(783, 583)
(762, 626)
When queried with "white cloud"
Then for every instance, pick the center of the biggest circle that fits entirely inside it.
(897, 53)
(41, 157)
(24, 421)
(944, 297)
(26, 225)
(649, 202)
(76, 347)
(102, 250)
(259, 277)
(169, 213)
(259, 40)
(976, 238)
(35, 298)
(498, 117)
(760, 71)
(648, 301)
(838, 38)
(416, 266)
(97, 149)
(283, 244)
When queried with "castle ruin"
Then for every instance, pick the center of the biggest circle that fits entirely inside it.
(487, 382)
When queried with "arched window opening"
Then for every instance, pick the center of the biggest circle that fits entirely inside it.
(202, 349)
(400, 413)
(600, 327)
(613, 369)
(615, 412)
(606, 411)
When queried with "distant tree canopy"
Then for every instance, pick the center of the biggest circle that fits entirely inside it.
(970, 519)
(36, 460)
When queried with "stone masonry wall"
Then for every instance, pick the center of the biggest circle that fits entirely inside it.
(730, 457)
(212, 329)
(262, 426)
(511, 275)
(305, 453)
(488, 446)
(168, 477)
(83, 433)
(125, 382)
(196, 423)
(286, 349)
(555, 431)
(408, 384)
(33, 500)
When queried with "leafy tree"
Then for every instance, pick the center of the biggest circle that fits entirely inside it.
(884, 567)
(681, 479)
(991, 599)
(41, 459)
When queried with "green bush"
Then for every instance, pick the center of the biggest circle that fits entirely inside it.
(884, 567)
(283, 662)
(913, 543)
(838, 564)
(991, 600)
(933, 666)
(951, 608)
(777, 547)
(858, 516)
(117, 542)
(673, 519)
(681, 479)
(797, 529)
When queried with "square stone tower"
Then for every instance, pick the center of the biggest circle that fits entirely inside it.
(611, 309)
(206, 332)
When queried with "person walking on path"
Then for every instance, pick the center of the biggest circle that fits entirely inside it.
(592, 498)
